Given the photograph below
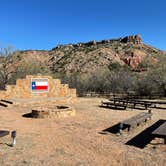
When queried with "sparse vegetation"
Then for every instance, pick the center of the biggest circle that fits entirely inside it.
(7, 66)
(101, 68)
(120, 80)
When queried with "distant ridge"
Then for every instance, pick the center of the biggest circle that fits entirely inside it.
(94, 55)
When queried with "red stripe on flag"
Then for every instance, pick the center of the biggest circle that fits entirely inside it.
(41, 87)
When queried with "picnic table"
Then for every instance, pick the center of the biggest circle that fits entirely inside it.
(109, 104)
(132, 102)
(135, 121)
(13, 135)
(161, 132)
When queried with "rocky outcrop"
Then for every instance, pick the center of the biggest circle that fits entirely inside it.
(136, 39)
(134, 58)
(132, 39)
(89, 57)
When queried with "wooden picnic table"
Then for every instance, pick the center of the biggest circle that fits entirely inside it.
(114, 105)
(146, 104)
(135, 120)
(13, 135)
(161, 132)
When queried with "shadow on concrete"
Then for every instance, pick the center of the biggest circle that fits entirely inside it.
(28, 115)
(145, 137)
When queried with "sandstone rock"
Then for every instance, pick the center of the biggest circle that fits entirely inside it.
(105, 41)
(90, 43)
(80, 58)
(79, 45)
(133, 58)
(132, 39)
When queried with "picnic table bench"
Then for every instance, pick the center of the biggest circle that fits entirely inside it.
(4, 133)
(135, 121)
(13, 135)
(114, 105)
(146, 104)
(161, 132)
(142, 103)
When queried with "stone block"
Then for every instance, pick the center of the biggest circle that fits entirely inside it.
(22, 89)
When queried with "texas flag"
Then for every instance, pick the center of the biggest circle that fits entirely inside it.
(38, 85)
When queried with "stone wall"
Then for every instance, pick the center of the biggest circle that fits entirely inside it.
(50, 112)
(22, 89)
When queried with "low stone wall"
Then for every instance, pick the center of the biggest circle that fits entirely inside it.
(22, 89)
(50, 112)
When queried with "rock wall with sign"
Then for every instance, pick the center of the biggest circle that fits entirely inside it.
(48, 87)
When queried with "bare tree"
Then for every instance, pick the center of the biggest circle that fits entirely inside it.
(6, 65)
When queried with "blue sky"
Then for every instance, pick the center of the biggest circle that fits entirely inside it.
(43, 24)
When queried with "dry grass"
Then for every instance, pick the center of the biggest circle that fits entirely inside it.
(76, 141)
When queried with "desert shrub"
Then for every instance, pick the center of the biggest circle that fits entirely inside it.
(114, 66)
(146, 63)
(7, 66)
(153, 81)
(122, 81)
(89, 49)
(101, 81)
(28, 69)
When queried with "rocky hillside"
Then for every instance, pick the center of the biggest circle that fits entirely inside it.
(91, 56)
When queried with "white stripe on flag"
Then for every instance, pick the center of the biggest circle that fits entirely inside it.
(42, 83)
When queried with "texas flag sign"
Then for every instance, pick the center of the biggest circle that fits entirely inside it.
(39, 85)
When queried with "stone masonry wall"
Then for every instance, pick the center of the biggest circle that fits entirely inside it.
(22, 89)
